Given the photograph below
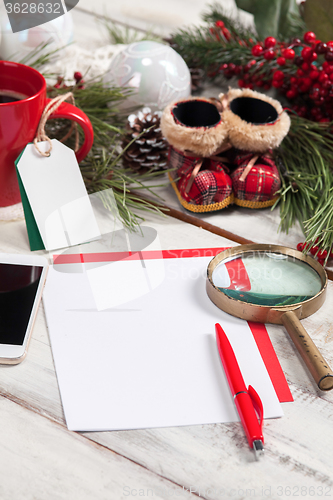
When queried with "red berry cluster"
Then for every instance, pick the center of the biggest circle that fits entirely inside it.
(302, 70)
(220, 32)
(310, 85)
(79, 82)
(314, 250)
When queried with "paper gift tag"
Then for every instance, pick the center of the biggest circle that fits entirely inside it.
(57, 208)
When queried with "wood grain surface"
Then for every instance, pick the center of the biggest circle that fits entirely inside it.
(212, 461)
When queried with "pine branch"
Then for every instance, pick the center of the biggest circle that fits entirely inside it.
(232, 23)
(201, 49)
(305, 162)
(38, 57)
(124, 35)
(102, 168)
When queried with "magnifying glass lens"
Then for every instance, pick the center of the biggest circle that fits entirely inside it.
(273, 284)
(267, 279)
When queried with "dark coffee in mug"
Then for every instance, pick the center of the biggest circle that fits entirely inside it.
(7, 96)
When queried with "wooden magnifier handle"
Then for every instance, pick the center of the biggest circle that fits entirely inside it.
(318, 367)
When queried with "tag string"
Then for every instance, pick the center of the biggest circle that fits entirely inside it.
(50, 108)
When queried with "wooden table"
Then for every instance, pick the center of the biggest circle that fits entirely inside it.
(41, 459)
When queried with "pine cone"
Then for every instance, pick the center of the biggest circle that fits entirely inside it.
(149, 151)
(197, 78)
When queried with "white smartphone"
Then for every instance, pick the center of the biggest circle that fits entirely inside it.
(22, 279)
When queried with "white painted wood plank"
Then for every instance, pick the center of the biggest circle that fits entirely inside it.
(298, 452)
(42, 460)
(182, 454)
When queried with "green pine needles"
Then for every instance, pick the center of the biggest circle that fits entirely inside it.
(305, 161)
(102, 169)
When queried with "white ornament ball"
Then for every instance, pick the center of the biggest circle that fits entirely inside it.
(157, 73)
(16, 46)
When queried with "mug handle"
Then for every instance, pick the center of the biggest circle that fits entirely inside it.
(71, 112)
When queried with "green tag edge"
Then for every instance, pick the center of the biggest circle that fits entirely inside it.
(35, 239)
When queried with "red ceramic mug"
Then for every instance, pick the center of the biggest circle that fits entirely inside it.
(25, 89)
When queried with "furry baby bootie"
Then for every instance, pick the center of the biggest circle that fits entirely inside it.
(256, 125)
(198, 136)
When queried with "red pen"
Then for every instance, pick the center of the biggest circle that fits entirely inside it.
(247, 401)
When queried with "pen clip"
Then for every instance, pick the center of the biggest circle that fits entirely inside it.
(257, 404)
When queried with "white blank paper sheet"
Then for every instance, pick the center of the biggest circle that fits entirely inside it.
(151, 361)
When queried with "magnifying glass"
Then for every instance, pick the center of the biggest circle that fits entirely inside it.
(273, 284)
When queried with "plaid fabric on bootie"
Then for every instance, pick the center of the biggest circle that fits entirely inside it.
(256, 125)
(255, 180)
(208, 189)
(196, 132)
